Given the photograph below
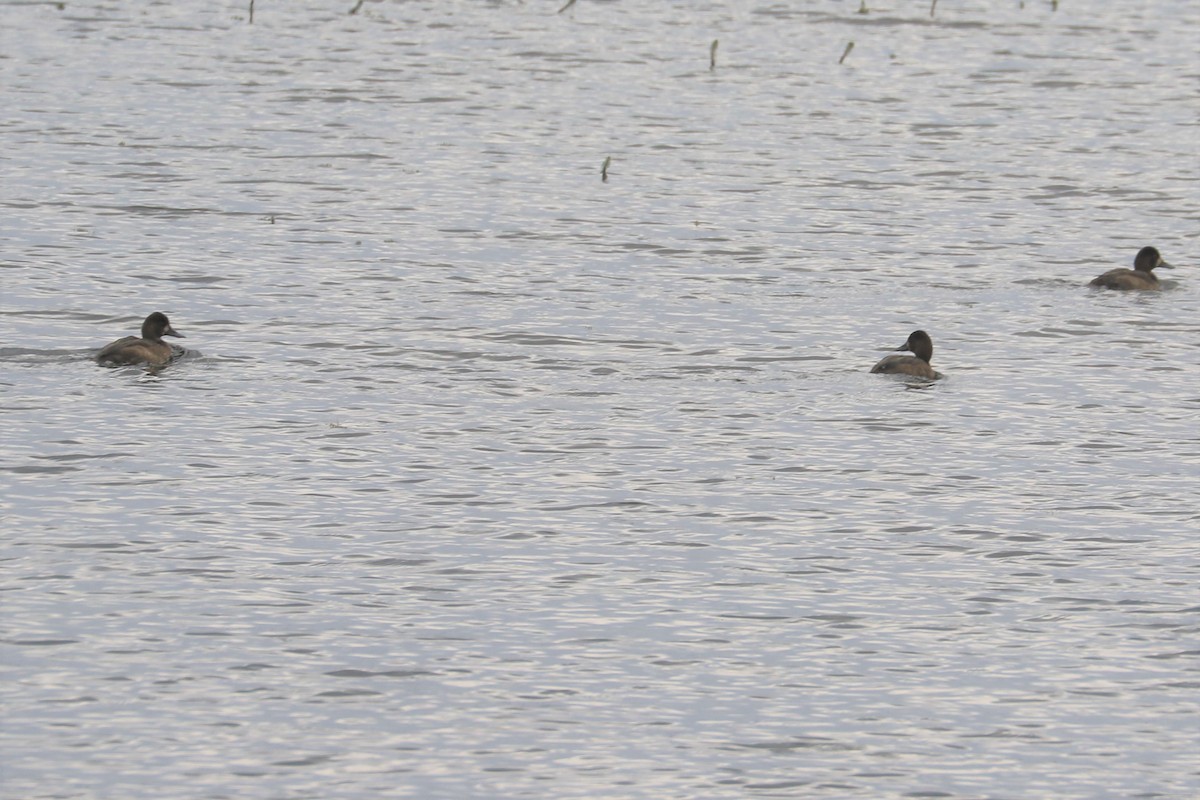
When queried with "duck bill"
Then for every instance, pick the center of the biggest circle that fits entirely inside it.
(172, 332)
(1165, 265)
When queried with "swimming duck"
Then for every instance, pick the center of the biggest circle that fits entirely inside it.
(149, 349)
(921, 346)
(1140, 277)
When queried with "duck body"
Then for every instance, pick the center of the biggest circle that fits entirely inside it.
(1140, 277)
(149, 348)
(921, 346)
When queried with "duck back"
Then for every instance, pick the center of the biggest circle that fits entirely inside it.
(905, 365)
(132, 350)
(1126, 279)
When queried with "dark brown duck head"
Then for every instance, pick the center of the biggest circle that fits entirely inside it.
(1148, 259)
(919, 344)
(157, 326)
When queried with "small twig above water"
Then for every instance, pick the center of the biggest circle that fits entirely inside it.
(932, 8)
(604, 166)
(251, 12)
(846, 52)
(568, 5)
(712, 55)
(357, 6)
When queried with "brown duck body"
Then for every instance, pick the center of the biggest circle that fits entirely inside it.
(1140, 277)
(147, 349)
(921, 346)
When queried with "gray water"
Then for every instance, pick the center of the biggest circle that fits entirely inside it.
(482, 477)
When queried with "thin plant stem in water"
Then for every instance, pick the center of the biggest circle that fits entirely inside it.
(846, 52)
(357, 6)
(251, 12)
(604, 166)
(712, 56)
(932, 8)
(568, 5)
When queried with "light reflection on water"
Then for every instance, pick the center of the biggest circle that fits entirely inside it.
(483, 478)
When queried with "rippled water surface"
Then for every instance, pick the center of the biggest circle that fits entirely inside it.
(483, 477)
